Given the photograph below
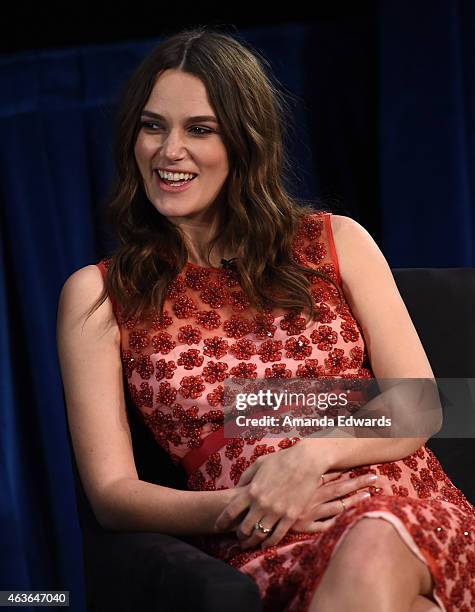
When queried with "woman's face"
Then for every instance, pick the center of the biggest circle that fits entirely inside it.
(178, 134)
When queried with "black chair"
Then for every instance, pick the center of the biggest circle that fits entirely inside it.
(441, 302)
(133, 571)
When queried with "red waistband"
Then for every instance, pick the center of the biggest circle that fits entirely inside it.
(197, 456)
(216, 440)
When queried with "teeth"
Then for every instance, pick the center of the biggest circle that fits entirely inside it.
(175, 176)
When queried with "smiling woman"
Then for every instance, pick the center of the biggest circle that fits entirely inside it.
(172, 146)
(343, 524)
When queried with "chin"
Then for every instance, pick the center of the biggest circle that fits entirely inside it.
(180, 210)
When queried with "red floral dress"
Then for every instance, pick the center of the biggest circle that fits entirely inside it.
(176, 367)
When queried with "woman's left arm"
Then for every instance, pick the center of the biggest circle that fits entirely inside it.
(282, 483)
(394, 348)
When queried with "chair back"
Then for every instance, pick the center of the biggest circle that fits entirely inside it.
(441, 302)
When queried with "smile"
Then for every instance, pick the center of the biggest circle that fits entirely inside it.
(173, 186)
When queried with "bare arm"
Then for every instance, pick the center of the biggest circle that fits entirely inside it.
(394, 348)
(91, 369)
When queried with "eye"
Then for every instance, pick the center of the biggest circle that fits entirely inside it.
(203, 130)
(149, 125)
(154, 126)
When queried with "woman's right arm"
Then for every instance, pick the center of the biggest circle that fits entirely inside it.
(91, 369)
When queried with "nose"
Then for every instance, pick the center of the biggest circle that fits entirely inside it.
(172, 146)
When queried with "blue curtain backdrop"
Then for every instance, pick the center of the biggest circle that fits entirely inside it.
(385, 123)
(427, 132)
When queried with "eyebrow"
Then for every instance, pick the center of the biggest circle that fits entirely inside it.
(196, 118)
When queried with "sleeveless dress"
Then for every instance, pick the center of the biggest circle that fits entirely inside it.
(175, 368)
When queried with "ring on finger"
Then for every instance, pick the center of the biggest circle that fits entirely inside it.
(343, 505)
(260, 527)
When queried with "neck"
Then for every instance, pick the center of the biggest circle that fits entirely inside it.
(198, 233)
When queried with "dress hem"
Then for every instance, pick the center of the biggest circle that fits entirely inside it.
(405, 537)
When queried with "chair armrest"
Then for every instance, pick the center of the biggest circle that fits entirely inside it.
(127, 571)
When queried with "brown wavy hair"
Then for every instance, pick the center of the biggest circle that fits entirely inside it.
(258, 218)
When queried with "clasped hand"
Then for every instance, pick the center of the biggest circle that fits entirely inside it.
(284, 490)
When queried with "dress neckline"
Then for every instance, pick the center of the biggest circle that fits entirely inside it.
(192, 265)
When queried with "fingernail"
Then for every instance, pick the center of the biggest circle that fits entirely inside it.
(366, 495)
(373, 477)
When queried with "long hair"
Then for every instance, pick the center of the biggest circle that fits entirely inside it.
(260, 217)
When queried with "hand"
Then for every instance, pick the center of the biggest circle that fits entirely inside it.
(284, 487)
(276, 484)
(325, 503)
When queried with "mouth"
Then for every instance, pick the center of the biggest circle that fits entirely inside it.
(173, 186)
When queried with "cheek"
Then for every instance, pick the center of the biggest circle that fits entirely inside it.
(138, 155)
(218, 160)
(143, 151)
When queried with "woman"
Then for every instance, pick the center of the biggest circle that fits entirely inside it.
(220, 275)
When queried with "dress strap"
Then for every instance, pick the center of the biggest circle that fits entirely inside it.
(103, 268)
(331, 243)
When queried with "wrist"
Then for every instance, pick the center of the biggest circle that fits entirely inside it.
(320, 452)
(224, 498)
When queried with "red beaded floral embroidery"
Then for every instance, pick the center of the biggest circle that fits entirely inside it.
(176, 367)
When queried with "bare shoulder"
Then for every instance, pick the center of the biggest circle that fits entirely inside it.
(87, 279)
(349, 228)
(357, 251)
(79, 292)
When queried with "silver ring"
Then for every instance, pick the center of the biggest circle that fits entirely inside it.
(343, 504)
(260, 527)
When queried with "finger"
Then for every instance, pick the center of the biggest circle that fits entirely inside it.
(318, 526)
(239, 504)
(329, 477)
(278, 533)
(332, 508)
(257, 535)
(338, 506)
(248, 525)
(337, 489)
(248, 474)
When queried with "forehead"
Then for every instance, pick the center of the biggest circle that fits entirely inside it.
(178, 92)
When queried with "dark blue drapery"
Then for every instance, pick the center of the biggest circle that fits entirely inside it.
(385, 120)
(427, 132)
